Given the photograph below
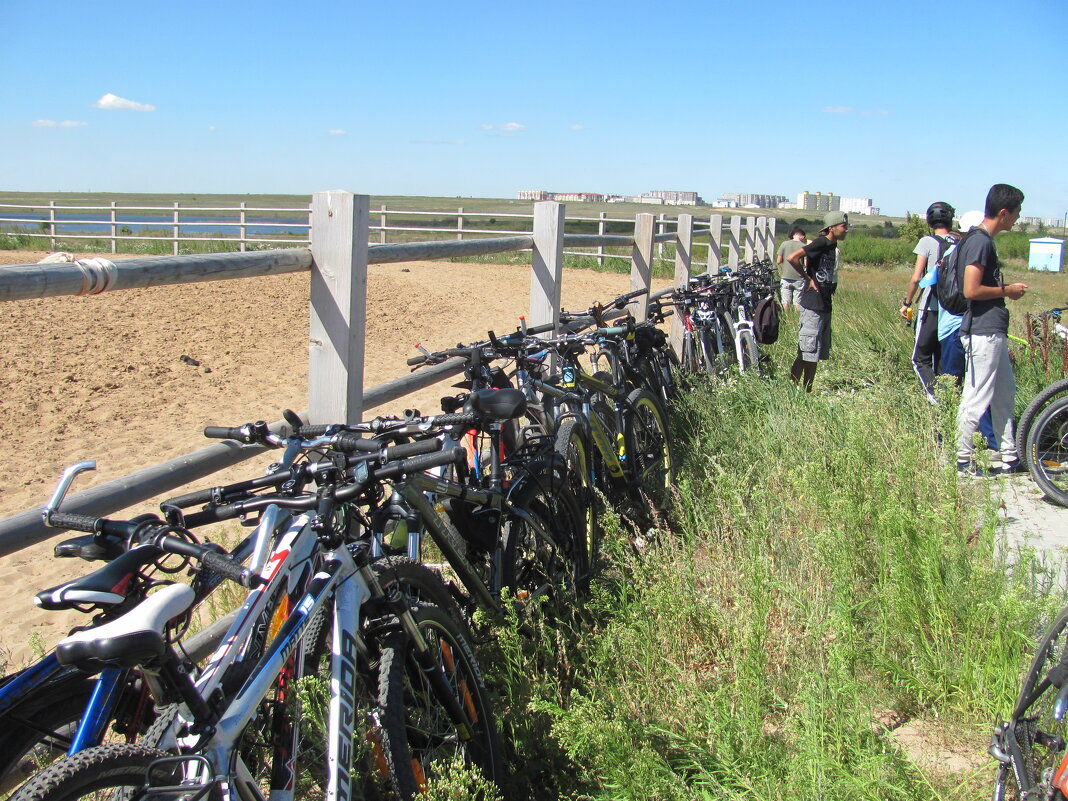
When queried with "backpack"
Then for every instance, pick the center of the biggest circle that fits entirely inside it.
(766, 321)
(950, 286)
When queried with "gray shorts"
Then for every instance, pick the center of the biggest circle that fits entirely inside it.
(791, 292)
(814, 336)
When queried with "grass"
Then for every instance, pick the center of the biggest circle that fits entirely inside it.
(824, 571)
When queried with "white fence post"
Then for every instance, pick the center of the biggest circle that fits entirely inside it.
(735, 238)
(382, 225)
(113, 228)
(750, 238)
(340, 222)
(715, 243)
(546, 263)
(661, 226)
(771, 237)
(460, 223)
(762, 237)
(641, 260)
(683, 270)
(174, 234)
(242, 230)
(600, 232)
(52, 225)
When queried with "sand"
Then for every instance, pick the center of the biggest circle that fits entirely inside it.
(103, 378)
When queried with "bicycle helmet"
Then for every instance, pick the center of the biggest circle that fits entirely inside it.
(940, 215)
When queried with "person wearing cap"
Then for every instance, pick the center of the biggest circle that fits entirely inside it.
(793, 282)
(925, 352)
(988, 378)
(818, 262)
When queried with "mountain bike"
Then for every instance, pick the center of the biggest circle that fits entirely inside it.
(1031, 745)
(257, 721)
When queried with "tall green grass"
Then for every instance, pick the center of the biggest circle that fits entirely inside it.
(824, 570)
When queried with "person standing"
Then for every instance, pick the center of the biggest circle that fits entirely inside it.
(988, 378)
(818, 262)
(793, 282)
(925, 352)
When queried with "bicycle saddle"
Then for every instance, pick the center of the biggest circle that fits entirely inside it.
(134, 639)
(499, 404)
(104, 587)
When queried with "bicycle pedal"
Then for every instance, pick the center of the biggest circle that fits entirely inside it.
(166, 769)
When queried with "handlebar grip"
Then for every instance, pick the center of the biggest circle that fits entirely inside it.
(311, 432)
(73, 522)
(458, 419)
(615, 331)
(349, 442)
(416, 360)
(225, 432)
(541, 329)
(197, 498)
(226, 567)
(622, 300)
(421, 463)
(410, 449)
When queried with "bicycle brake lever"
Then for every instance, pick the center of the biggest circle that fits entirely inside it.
(65, 481)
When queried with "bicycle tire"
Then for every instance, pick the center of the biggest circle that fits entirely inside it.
(651, 463)
(416, 730)
(750, 354)
(571, 445)
(532, 565)
(1047, 451)
(420, 584)
(1034, 408)
(1038, 734)
(102, 767)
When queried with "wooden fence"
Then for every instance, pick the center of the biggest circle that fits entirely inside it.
(56, 225)
(338, 260)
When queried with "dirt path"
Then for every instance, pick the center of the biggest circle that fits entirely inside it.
(103, 377)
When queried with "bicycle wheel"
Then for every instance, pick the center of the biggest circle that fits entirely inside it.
(543, 549)
(1047, 451)
(1034, 729)
(419, 584)
(650, 464)
(571, 446)
(418, 734)
(750, 354)
(97, 773)
(1034, 408)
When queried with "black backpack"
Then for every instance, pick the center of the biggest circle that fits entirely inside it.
(766, 321)
(950, 286)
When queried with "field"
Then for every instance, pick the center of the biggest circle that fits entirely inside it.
(828, 613)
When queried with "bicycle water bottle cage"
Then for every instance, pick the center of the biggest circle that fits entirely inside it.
(498, 404)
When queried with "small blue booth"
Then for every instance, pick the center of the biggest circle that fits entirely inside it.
(1046, 254)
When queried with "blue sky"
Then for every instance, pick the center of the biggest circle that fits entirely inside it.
(482, 99)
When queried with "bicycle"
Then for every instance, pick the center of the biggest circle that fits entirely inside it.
(237, 732)
(1030, 745)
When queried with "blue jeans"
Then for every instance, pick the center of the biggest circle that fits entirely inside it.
(953, 364)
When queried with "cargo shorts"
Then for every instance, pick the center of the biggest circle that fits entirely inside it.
(814, 336)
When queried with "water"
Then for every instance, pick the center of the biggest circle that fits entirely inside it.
(191, 224)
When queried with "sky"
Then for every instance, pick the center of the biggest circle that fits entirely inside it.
(906, 103)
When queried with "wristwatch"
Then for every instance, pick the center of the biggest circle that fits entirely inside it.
(906, 303)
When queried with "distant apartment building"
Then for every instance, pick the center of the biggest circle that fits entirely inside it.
(819, 201)
(568, 197)
(735, 199)
(673, 197)
(858, 205)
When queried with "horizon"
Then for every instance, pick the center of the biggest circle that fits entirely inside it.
(477, 99)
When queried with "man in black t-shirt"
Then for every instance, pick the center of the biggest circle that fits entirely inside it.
(984, 331)
(818, 262)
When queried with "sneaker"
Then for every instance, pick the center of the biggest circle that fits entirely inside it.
(971, 470)
(1013, 468)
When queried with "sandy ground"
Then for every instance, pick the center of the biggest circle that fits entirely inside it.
(102, 378)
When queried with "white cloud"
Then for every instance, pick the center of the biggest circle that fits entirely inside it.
(336, 132)
(838, 109)
(578, 127)
(112, 102)
(54, 124)
(211, 127)
(72, 124)
(508, 126)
